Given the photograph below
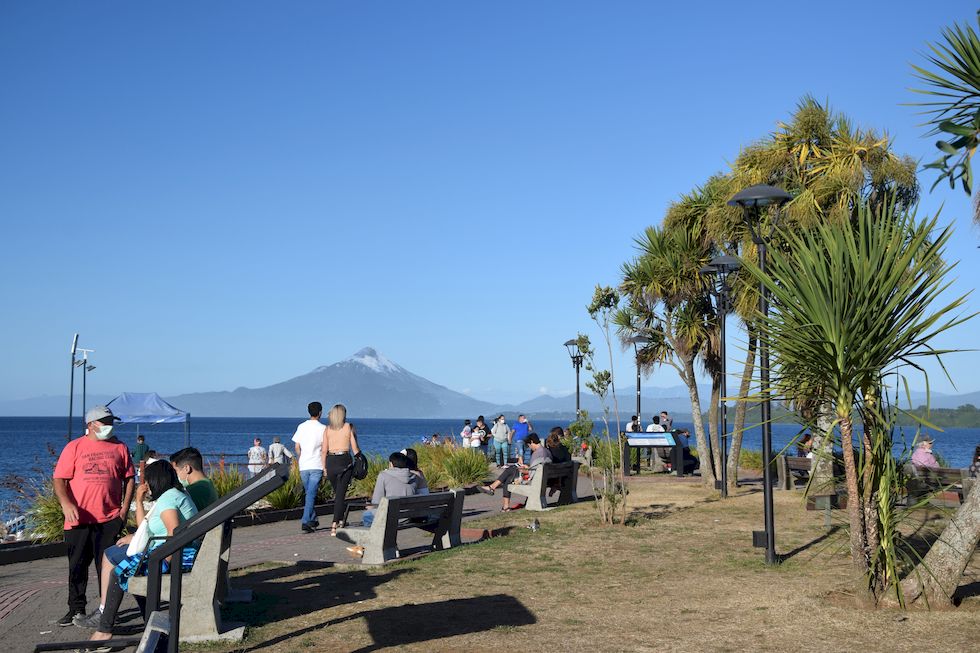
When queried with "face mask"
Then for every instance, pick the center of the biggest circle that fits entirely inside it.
(104, 432)
(184, 482)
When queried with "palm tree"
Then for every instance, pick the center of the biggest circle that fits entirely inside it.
(667, 301)
(954, 111)
(830, 167)
(849, 306)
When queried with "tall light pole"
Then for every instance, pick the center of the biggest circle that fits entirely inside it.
(721, 268)
(577, 358)
(638, 342)
(71, 386)
(86, 368)
(753, 200)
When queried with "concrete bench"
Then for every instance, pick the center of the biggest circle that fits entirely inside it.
(536, 491)
(440, 513)
(204, 588)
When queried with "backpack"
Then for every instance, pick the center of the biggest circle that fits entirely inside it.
(360, 466)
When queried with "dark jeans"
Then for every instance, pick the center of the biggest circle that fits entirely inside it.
(507, 476)
(86, 544)
(340, 470)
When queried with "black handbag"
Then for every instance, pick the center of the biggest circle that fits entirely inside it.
(360, 466)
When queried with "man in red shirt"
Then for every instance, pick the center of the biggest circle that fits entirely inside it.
(94, 484)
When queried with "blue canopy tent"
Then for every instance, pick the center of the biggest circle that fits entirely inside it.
(149, 408)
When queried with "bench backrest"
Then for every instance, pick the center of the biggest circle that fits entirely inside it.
(558, 470)
(427, 505)
(800, 463)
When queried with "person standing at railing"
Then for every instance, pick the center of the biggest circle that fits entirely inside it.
(257, 458)
(308, 440)
(278, 453)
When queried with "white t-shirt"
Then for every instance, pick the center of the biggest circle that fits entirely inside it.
(655, 428)
(309, 436)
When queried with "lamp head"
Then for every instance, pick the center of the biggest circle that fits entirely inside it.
(572, 346)
(759, 196)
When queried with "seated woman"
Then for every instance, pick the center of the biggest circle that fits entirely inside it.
(975, 465)
(173, 507)
(559, 454)
(539, 456)
(413, 464)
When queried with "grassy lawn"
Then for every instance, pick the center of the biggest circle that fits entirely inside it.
(684, 577)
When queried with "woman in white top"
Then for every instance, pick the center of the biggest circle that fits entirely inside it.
(339, 441)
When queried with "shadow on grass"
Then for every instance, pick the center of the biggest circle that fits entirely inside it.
(414, 623)
(812, 543)
(653, 512)
(967, 591)
(286, 592)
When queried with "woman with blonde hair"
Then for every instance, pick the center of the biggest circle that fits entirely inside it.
(339, 442)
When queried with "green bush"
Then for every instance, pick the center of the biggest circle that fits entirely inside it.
(289, 494)
(750, 459)
(432, 464)
(227, 480)
(46, 520)
(465, 466)
(324, 492)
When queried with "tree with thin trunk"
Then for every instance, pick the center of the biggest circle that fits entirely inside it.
(849, 306)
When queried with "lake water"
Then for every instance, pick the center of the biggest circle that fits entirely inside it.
(25, 441)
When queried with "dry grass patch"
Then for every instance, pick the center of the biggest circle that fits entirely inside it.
(683, 577)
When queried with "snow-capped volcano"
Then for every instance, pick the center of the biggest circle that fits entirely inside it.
(368, 383)
(374, 360)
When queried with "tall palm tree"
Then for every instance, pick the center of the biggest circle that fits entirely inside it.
(850, 306)
(667, 301)
(830, 167)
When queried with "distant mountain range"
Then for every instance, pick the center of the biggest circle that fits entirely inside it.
(371, 385)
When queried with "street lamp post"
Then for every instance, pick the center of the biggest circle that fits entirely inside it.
(638, 342)
(577, 358)
(86, 368)
(71, 386)
(752, 200)
(721, 268)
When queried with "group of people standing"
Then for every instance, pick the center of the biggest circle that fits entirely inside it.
(497, 442)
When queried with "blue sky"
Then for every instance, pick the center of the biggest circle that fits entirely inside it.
(232, 193)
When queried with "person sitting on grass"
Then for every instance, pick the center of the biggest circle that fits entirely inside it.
(539, 455)
(396, 481)
(173, 507)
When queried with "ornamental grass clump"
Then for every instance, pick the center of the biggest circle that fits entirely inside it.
(365, 486)
(227, 480)
(464, 466)
(289, 494)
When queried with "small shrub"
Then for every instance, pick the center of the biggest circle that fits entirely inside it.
(228, 480)
(324, 493)
(289, 494)
(750, 459)
(432, 463)
(46, 520)
(465, 467)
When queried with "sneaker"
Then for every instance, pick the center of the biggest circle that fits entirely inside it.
(315, 523)
(69, 617)
(307, 528)
(90, 620)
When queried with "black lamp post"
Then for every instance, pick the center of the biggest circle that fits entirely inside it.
(753, 200)
(86, 368)
(638, 342)
(721, 268)
(577, 358)
(71, 386)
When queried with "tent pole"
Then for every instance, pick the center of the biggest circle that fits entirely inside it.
(187, 430)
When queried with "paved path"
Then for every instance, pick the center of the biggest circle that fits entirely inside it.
(33, 594)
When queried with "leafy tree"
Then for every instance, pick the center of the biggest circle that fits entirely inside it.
(849, 307)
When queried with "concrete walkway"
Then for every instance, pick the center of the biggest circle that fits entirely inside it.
(33, 595)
